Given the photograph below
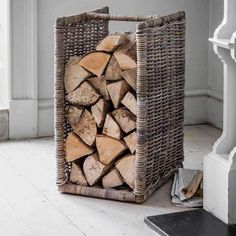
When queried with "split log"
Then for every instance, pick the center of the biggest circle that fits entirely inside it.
(130, 102)
(74, 74)
(77, 175)
(73, 115)
(117, 91)
(86, 128)
(95, 62)
(126, 167)
(113, 71)
(192, 188)
(130, 77)
(126, 54)
(109, 148)
(125, 119)
(100, 84)
(84, 95)
(130, 140)
(75, 148)
(99, 111)
(112, 179)
(82, 123)
(94, 169)
(111, 128)
(111, 42)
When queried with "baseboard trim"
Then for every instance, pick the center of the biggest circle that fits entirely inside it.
(23, 118)
(211, 93)
(45, 104)
(46, 117)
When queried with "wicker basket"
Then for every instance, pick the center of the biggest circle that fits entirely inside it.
(160, 96)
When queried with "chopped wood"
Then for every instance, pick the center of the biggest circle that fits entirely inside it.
(73, 115)
(111, 128)
(100, 84)
(94, 169)
(95, 62)
(191, 190)
(117, 91)
(125, 119)
(112, 179)
(86, 128)
(130, 140)
(109, 148)
(77, 175)
(99, 111)
(113, 71)
(75, 148)
(84, 95)
(74, 74)
(111, 42)
(199, 192)
(130, 102)
(126, 167)
(82, 123)
(130, 77)
(126, 54)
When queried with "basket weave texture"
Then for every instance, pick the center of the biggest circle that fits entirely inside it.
(160, 96)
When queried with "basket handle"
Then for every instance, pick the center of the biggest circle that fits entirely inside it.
(102, 16)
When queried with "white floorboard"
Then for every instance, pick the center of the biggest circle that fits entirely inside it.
(31, 205)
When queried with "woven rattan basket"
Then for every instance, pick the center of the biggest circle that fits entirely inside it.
(160, 96)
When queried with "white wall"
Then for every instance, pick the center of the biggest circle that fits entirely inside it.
(196, 47)
(215, 80)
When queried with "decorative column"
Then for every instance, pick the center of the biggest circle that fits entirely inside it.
(23, 105)
(220, 165)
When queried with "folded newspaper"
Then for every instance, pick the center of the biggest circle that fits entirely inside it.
(187, 188)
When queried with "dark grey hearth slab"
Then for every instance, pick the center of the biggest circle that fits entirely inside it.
(189, 223)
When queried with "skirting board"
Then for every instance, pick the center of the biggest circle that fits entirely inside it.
(45, 118)
(23, 118)
(195, 110)
(215, 112)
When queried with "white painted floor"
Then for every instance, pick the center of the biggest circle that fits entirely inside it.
(30, 204)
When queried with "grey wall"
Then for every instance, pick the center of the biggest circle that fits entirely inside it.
(197, 13)
(215, 80)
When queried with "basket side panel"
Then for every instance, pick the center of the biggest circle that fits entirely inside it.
(74, 39)
(160, 94)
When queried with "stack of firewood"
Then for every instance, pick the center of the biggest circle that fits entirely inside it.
(101, 110)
